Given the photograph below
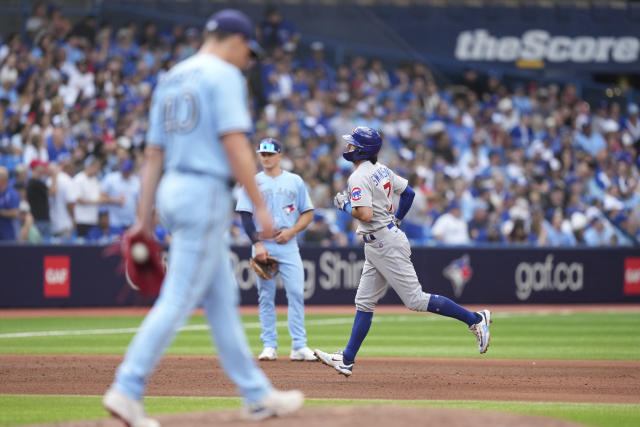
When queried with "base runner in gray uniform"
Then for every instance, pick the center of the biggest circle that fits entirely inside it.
(387, 252)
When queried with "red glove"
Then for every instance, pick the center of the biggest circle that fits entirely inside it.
(145, 276)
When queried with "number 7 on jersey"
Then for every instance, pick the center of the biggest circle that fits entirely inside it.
(387, 186)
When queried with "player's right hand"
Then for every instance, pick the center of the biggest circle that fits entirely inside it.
(264, 218)
(144, 228)
(261, 253)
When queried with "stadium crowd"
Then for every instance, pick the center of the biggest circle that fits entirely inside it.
(490, 163)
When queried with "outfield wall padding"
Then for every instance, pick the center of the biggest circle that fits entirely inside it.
(81, 276)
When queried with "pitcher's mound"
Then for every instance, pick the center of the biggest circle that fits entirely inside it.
(348, 416)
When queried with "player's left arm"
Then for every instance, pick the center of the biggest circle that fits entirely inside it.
(401, 186)
(153, 167)
(406, 200)
(151, 175)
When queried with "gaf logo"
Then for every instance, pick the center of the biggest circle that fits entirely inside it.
(539, 45)
(56, 277)
(538, 276)
(632, 276)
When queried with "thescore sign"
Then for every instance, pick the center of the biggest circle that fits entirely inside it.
(540, 45)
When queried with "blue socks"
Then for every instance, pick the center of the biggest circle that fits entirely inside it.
(361, 325)
(445, 307)
(437, 304)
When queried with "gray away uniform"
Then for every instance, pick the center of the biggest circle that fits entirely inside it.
(387, 251)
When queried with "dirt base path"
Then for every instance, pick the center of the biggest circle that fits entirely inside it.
(381, 416)
(373, 378)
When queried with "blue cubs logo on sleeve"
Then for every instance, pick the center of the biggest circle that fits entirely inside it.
(356, 194)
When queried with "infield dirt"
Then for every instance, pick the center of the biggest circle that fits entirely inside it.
(598, 381)
(373, 378)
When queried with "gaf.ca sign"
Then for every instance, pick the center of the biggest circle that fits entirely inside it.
(548, 276)
(540, 45)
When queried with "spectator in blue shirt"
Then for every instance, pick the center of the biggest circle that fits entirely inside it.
(586, 139)
(520, 101)
(121, 190)
(276, 31)
(478, 226)
(596, 233)
(9, 207)
(317, 61)
(459, 133)
(104, 232)
(556, 236)
(125, 48)
(522, 135)
(58, 143)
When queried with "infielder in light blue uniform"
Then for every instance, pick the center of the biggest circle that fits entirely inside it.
(288, 201)
(197, 134)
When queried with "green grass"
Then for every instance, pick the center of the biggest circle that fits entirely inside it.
(27, 409)
(605, 336)
(515, 336)
(30, 409)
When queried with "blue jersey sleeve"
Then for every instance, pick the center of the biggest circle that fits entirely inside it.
(244, 204)
(304, 200)
(230, 104)
(155, 134)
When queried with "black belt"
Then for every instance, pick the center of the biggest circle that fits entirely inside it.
(368, 238)
(229, 181)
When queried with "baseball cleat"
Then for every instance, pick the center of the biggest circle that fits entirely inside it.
(275, 404)
(126, 409)
(268, 353)
(336, 361)
(481, 330)
(303, 354)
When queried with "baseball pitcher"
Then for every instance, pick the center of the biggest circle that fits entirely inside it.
(387, 252)
(196, 142)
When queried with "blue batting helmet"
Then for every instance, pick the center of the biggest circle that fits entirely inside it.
(367, 142)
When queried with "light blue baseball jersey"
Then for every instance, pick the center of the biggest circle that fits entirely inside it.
(286, 197)
(194, 104)
(200, 99)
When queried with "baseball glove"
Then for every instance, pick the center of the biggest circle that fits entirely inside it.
(266, 270)
(147, 276)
